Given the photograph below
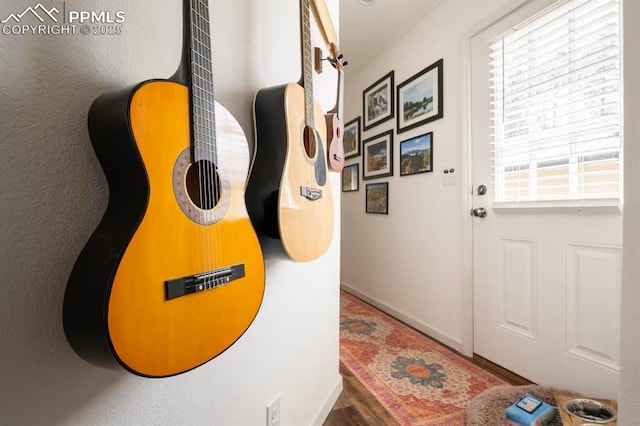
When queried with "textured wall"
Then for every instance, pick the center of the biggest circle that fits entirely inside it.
(53, 193)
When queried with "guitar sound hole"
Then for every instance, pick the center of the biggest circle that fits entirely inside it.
(203, 184)
(310, 144)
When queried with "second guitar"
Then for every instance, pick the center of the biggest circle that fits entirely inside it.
(288, 193)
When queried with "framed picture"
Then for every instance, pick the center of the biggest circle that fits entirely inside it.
(377, 102)
(420, 98)
(377, 198)
(377, 156)
(351, 138)
(350, 177)
(416, 155)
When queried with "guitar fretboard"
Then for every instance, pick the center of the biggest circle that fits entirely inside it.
(202, 93)
(340, 97)
(307, 62)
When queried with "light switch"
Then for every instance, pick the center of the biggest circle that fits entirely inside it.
(449, 177)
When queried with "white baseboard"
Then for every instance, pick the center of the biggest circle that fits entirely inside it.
(438, 335)
(328, 404)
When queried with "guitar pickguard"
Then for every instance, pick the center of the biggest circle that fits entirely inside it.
(320, 166)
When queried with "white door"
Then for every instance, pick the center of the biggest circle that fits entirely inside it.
(547, 238)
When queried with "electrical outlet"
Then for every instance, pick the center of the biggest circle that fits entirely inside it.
(273, 412)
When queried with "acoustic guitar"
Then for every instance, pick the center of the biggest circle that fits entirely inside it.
(335, 123)
(288, 193)
(174, 274)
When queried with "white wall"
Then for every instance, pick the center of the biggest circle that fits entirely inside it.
(629, 398)
(411, 261)
(53, 193)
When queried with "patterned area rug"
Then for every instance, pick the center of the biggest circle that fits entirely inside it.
(417, 380)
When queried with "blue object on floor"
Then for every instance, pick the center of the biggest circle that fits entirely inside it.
(530, 411)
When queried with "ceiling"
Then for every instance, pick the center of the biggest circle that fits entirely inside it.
(365, 31)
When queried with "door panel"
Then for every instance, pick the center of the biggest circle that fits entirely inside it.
(546, 280)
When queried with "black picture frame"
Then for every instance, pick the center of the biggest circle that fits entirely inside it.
(415, 98)
(377, 198)
(378, 102)
(351, 178)
(377, 156)
(416, 155)
(351, 138)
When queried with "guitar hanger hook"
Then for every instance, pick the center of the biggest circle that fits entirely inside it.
(334, 61)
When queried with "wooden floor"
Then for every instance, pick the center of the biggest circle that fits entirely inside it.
(357, 406)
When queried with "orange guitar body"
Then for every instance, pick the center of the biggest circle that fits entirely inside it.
(149, 334)
(173, 275)
(117, 308)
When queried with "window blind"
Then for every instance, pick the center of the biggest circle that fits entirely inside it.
(556, 105)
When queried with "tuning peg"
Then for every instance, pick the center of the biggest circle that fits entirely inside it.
(345, 63)
(340, 56)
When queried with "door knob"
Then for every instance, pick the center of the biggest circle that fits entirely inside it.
(479, 212)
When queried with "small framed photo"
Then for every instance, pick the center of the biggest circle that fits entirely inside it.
(420, 98)
(350, 177)
(351, 138)
(416, 155)
(377, 156)
(377, 102)
(377, 198)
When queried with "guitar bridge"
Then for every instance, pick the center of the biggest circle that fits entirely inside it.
(312, 194)
(203, 281)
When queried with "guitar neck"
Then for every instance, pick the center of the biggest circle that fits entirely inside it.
(307, 62)
(196, 72)
(338, 109)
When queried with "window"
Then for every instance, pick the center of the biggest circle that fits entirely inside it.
(556, 105)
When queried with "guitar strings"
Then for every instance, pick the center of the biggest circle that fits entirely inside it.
(199, 151)
(209, 114)
(213, 175)
(216, 196)
(314, 139)
(308, 93)
(205, 51)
